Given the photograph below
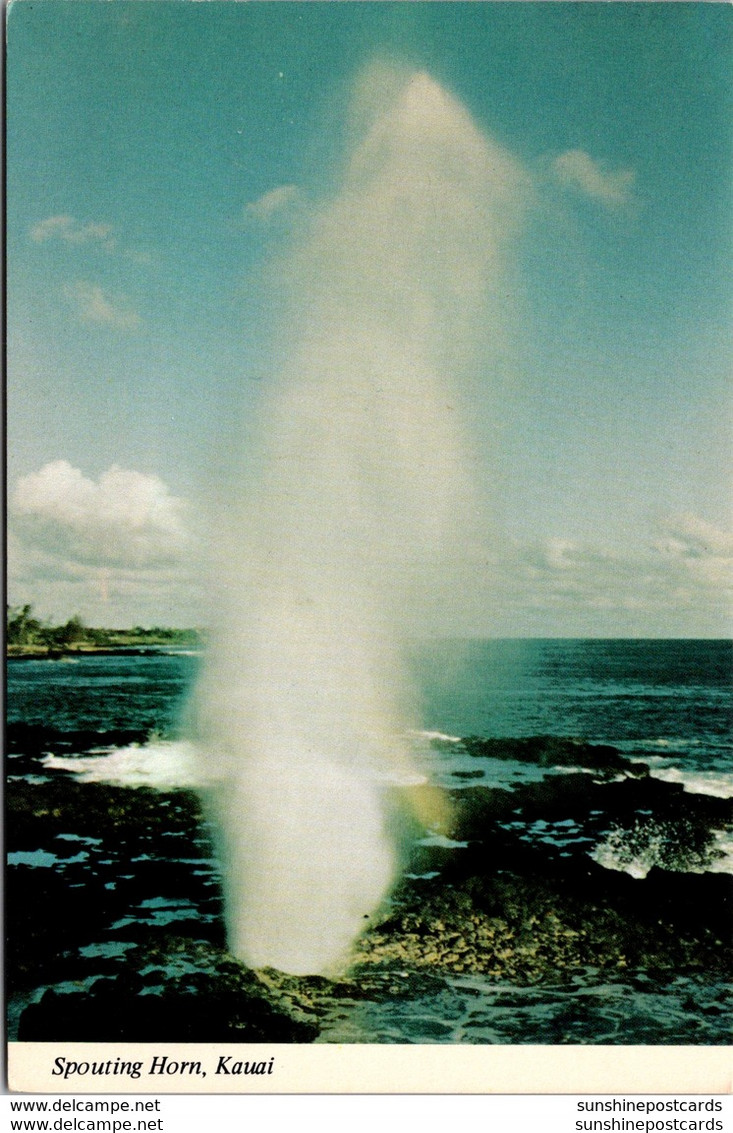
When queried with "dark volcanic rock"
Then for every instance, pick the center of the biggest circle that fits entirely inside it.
(36, 812)
(116, 852)
(644, 819)
(554, 751)
(39, 739)
(528, 930)
(194, 995)
(134, 866)
(116, 890)
(535, 908)
(27, 745)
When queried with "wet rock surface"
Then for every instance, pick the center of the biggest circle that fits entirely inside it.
(553, 751)
(114, 903)
(529, 929)
(176, 991)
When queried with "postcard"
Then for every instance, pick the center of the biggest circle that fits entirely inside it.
(368, 629)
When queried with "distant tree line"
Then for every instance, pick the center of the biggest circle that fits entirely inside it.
(24, 630)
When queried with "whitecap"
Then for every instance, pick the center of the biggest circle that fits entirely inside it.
(164, 764)
(697, 782)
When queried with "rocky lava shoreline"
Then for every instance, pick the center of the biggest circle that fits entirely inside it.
(114, 908)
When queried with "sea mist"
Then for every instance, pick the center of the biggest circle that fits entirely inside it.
(357, 496)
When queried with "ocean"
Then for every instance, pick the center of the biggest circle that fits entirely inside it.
(583, 894)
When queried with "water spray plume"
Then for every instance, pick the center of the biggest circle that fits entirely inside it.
(359, 489)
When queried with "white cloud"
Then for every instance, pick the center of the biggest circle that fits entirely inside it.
(676, 587)
(94, 306)
(119, 550)
(273, 203)
(71, 231)
(690, 537)
(700, 550)
(66, 229)
(125, 519)
(576, 169)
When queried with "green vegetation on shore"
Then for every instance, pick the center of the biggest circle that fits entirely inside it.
(26, 634)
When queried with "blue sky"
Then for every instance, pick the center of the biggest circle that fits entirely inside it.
(162, 156)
